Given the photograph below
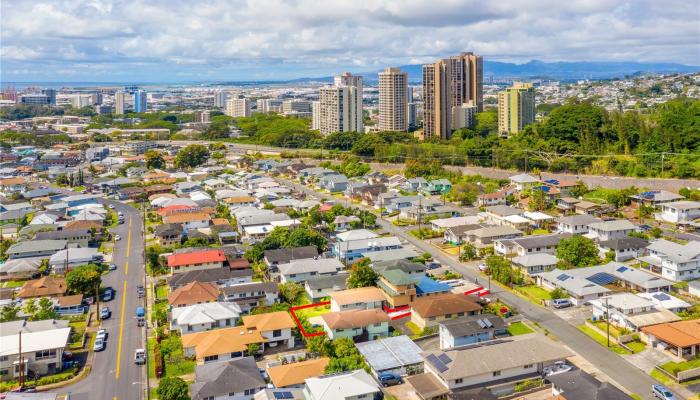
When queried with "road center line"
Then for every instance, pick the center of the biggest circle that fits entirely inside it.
(128, 250)
(121, 331)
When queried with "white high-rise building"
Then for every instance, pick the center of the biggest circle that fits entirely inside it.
(393, 86)
(463, 115)
(81, 100)
(220, 98)
(296, 106)
(238, 108)
(269, 105)
(316, 115)
(119, 102)
(340, 106)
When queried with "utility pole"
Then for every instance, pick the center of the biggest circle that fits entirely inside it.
(420, 208)
(663, 154)
(97, 301)
(607, 318)
(21, 362)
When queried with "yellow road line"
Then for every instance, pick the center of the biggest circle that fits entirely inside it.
(128, 249)
(121, 331)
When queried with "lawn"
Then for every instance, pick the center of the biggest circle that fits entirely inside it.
(614, 331)
(174, 360)
(539, 232)
(12, 284)
(311, 312)
(414, 328)
(601, 339)
(675, 367)
(518, 328)
(661, 377)
(76, 334)
(161, 291)
(636, 346)
(151, 357)
(534, 293)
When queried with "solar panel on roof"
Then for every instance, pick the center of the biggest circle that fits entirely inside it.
(444, 358)
(283, 395)
(602, 278)
(622, 269)
(481, 323)
(436, 363)
(662, 296)
(563, 277)
(488, 323)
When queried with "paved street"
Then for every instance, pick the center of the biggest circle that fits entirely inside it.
(614, 366)
(114, 374)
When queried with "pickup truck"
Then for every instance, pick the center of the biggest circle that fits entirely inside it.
(140, 356)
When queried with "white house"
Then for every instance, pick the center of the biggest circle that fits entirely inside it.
(301, 270)
(576, 224)
(351, 385)
(204, 316)
(679, 212)
(42, 352)
(609, 230)
(674, 261)
(630, 311)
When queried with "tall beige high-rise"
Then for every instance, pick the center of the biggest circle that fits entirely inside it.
(339, 107)
(516, 108)
(449, 83)
(119, 102)
(238, 107)
(393, 86)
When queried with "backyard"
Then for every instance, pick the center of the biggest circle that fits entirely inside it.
(518, 328)
(534, 293)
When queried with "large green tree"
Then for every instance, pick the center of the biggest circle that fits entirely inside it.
(84, 279)
(173, 388)
(154, 160)
(192, 156)
(361, 274)
(578, 251)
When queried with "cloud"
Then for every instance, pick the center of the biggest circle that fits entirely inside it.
(239, 39)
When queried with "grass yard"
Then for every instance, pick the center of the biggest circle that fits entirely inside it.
(151, 357)
(676, 367)
(661, 377)
(311, 312)
(12, 284)
(161, 291)
(76, 335)
(518, 328)
(174, 361)
(539, 232)
(636, 346)
(534, 293)
(602, 340)
(614, 331)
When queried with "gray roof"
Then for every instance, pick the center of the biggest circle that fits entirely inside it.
(486, 359)
(684, 205)
(321, 265)
(614, 225)
(469, 325)
(390, 353)
(29, 246)
(624, 243)
(208, 275)
(531, 260)
(12, 327)
(578, 219)
(221, 378)
(403, 253)
(459, 230)
(403, 265)
(168, 229)
(62, 234)
(261, 219)
(289, 254)
(494, 231)
(531, 242)
(268, 287)
(579, 385)
(328, 282)
(675, 252)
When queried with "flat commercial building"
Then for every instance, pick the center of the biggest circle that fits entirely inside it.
(516, 108)
(448, 83)
(393, 86)
(238, 108)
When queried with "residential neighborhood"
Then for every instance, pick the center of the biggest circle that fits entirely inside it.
(262, 277)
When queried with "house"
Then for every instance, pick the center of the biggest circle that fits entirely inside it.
(496, 215)
(457, 235)
(522, 246)
(275, 257)
(608, 230)
(497, 198)
(169, 235)
(673, 261)
(442, 224)
(666, 301)
(350, 385)
(523, 181)
(679, 212)
(584, 207)
(364, 298)
(629, 311)
(203, 317)
(293, 375)
(343, 223)
(478, 366)
(575, 224)
(220, 277)
(65, 260)
(398, 286)
(579, 385)
(430, 287)
(532, 264)
(23, 207)
(250, 295)
(431, 310)
(437, 186)
(370, 194)
(333, 183)
(655, 198)
(355, 234)
(198, 260)
(275, 394)
(586, 284)
(485, 236)
(189, 220)
(232, 380)
(469, 330)
(357, 324)
(694, 288)
(20, 268)
(79, 237)
(46, 286)
(215, 346)
(70, 305)
(42, 352)
(415, 184)
(193, 293)
(403, 253)
(428, 387)
(624, 249)
(321, 286)
(564, 187)
(301, 270)
(351, 250)
(567, 204)
(398, 355)
(275, 327)
(681, 338)
(36, 248)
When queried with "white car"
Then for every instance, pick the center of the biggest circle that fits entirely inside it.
(557, 368)
(99, 345)
(101, 335)
(483, 267)
(117, 238)
(111, 206)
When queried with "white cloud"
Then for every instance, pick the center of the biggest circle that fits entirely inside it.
(322, 35)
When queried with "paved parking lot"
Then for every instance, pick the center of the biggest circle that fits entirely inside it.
(574, 315)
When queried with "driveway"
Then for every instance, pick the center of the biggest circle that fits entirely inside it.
(648, 359)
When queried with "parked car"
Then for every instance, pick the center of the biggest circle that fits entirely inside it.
(112, 266)
(111, 206)
(140, 356)
(105, 313)
(661, 392)
(389, 379)
(561, 303)
(557, 368)
(101, 334)
(483, 267)
(117, 238)
(433, 265)
(141, 291)
(108, 294)
(99, 345)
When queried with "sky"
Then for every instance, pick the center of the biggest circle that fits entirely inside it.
(191, 40)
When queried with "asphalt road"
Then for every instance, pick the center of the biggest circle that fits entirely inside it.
(114, 374)
(612, 365)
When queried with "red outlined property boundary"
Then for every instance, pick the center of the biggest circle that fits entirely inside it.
(292, 310)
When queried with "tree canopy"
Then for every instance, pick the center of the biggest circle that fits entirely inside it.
(361, 274)
(192, 156)
(577, 251)
(84, 279)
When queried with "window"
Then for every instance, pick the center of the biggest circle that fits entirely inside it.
(361, 396)
(45, 354)
(431, 319)
(458, 381)
(4, 372)
(448, 315)
(277, 333)
(496, 373)
(528, 366)
(249, 392)
(4, 358)
(211, 358)
(236, 354)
